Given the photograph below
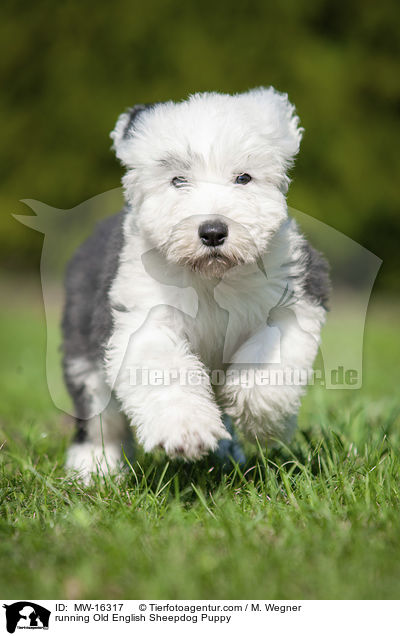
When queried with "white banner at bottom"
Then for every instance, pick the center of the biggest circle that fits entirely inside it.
(149, 617)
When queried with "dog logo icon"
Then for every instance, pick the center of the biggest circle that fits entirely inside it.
(26, 615)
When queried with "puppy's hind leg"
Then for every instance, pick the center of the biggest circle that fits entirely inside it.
(102, 431)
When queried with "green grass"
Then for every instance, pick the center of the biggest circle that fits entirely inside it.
(318, 520)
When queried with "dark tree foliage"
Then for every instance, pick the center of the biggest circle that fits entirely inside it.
(69, 68)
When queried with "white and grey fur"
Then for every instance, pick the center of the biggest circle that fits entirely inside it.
(120, 315)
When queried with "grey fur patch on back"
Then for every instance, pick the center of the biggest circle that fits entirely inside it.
(317, 284)
(87, 319)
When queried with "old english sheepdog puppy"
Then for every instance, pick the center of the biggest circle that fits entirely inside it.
(182, 309)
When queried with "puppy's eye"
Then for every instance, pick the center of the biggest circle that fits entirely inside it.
(243, 178)
(178, 182)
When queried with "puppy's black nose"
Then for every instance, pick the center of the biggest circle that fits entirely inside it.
(213, 233)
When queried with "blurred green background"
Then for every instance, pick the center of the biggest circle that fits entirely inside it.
(68, 69)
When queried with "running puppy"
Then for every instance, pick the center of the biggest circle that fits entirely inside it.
(201, 275)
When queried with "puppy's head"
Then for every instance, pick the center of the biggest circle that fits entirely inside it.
(207, 177)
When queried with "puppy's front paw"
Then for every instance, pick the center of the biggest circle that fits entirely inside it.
(190, 436)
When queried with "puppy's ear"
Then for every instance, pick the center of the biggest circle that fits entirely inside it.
(125, 128)
(281, 120)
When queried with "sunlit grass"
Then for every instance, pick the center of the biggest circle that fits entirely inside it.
(317, 520)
